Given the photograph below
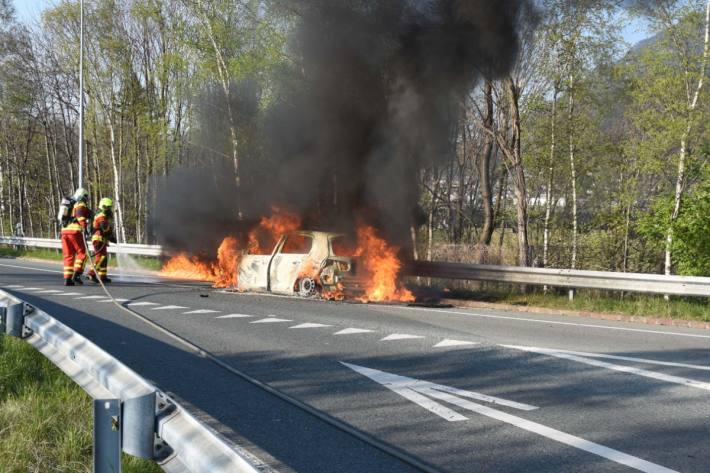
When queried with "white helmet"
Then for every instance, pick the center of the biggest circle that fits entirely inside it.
(80, 195)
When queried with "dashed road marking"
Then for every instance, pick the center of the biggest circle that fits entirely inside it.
(234, 316)
(70, 294)
(201, 311)
(270, 320)
(310, 325)
(33, 289)
(92, 297)
(14, 286)
(116, 299)
(170, 307)
(399, 336)
(610, 366)
(350, 331)
(447, 342)
(138, 304)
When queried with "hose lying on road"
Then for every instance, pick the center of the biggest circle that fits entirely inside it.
(327, 418)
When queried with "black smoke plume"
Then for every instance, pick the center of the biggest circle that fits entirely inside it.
(373, 96)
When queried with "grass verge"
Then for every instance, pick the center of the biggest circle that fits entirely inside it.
(607, 302)
(144, 262)
(45, 418)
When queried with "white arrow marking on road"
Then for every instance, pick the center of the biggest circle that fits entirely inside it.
(92, 297)
(399, 336)
(202, 311)
(350, 331)
(234, 316)
(170, 307)
(416, 391)
(310, 325)
(270, 320)
(453, 343)
(610, 366)
(136, 304)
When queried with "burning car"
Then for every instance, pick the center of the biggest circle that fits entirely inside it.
(307, 263)
(276, 256)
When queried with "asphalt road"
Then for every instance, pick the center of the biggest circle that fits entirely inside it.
(461, 390)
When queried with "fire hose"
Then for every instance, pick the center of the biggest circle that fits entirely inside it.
(327, 418)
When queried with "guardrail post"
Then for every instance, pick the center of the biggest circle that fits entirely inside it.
(571, 295)
(107, 436)
(15, 319)
(139, 426)
(3, 311)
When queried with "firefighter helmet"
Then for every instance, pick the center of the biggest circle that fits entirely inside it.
(81, 195)
(106, 203)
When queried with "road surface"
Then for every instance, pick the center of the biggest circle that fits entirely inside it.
(456, 390)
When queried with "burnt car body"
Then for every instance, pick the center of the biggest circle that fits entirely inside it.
(302, 262)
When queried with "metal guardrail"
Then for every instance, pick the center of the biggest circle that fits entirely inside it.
(123, 248)
(632, 282)
(130, 414)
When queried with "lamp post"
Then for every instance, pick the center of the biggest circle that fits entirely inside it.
(81, 93)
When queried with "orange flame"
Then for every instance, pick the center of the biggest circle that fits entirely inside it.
(380, 266)
(184, 266)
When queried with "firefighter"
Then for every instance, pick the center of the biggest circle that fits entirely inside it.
(74, 226)
(102, 235)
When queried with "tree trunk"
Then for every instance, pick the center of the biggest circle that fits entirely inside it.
(550, 179)
(484, 173)
(518, 175)
(116, 185)
(680, 179)
(573, 169)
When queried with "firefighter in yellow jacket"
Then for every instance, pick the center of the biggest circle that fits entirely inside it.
(102, 234)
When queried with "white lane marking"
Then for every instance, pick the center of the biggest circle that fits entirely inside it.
(399, 336)
(350, 331)
(610, 366)
(234, 316)
(636, 360)
(310, 325)
(14, 286)
(138, 304)
(118, 299)
(396, 382)
(70, 294)
(33, 289)
(202, 311)
(91, 297)
(553, 434)
(50, 291)
(170, 307)
(417, 391)
(33, 269)
(270, 320)
(553, 322)
(447, 342)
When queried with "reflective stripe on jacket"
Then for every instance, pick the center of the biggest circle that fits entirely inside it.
(80, 215)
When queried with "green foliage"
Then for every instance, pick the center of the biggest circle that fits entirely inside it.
(45, 419)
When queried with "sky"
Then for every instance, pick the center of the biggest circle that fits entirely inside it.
(29, 11)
